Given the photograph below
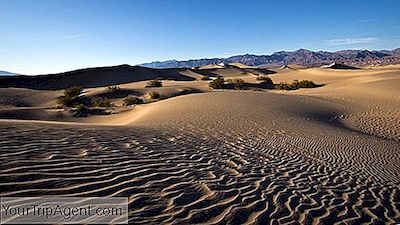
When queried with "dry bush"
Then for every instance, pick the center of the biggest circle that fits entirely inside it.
(131, 100)
(296, 85)
(101, 102)
(217, 83)
(71, 97)
(154, 94)
(154, 83)
(205, 78)
(113, 89)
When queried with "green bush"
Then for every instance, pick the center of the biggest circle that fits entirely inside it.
(217, 83)
(205, 78)
(73, 91)
(304, 84)
(285, 86)
(238, 83)
(81, 110)
(101, 102)
(71, 97)
(296, 85)
(266, 82)
(113, 89)
(131, 100)
(154, 94)
(154, 83)
(264, 79)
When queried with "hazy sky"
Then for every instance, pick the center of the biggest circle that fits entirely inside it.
(38, 36)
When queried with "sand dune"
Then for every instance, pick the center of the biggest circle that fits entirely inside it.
(369, 94)
(91, 77)
(327, 155)
(20, 97)
(339, 66)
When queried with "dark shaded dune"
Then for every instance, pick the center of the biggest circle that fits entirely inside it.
(118, 94)
(92, 77)
(16, 97)
(35, 114)
(10, 99)
(231, 69)
(262, 70)
(206, 72)
(341, 67)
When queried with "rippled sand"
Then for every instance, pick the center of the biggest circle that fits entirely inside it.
(329, 155)
(297, 167)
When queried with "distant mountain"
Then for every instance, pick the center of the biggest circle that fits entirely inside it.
(396, 51)
(302, 57)
(5, 73)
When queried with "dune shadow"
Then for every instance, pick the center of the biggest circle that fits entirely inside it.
(122, 93)
(249, 86)
(206, 72)
(92, 77)
(333, 119)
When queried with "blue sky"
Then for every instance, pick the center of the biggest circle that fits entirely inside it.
(46, 36)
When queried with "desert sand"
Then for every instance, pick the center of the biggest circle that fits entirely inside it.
(326, 155)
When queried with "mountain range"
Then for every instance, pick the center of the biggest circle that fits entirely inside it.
(5, 73)
(302, 57)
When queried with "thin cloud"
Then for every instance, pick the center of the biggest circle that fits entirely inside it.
(367, 21)
(74, 36)
(352, 41)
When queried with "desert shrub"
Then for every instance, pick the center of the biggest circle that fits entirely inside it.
(101, 102)
(131, 100)
(266, 82)
(238, 84)
(296, 85)
(285, 86)
(154, 83)
(304, 84)
(81, 110)
(113, 89)
(73, 91)
(217, 83)
(162, 96)
(154, 94)
(205, 78)
(71, 97)
(66, 101)
(264, 79)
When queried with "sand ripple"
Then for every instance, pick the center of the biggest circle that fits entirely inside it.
(185, 176)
